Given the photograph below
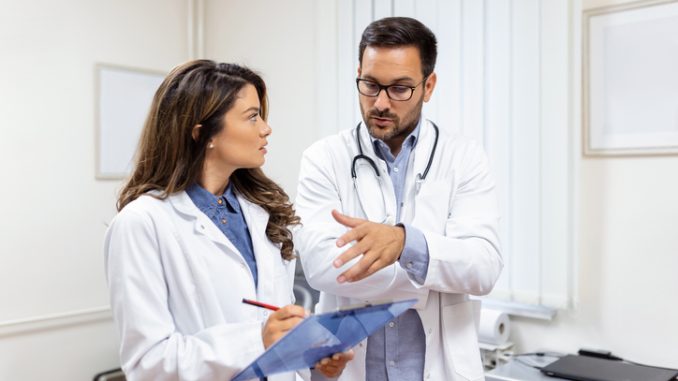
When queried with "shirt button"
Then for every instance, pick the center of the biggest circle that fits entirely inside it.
(391, 324)
(223, 221)
(391, 363)
(395, 169)
(409, 265)
(429, 331)
(220, 201)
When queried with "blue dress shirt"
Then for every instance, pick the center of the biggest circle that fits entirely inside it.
(225, 212)
(396, 352)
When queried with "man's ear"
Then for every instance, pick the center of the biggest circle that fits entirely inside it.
(430, 85)
(195, 133)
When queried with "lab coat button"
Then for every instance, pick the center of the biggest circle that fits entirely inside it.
(391, 324)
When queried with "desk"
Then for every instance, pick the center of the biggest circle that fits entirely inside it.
(515, 370)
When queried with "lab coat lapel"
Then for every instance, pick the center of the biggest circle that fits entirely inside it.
(421, 154)
(264, 250)
(386, 184)
(202, 224)
(427, 207)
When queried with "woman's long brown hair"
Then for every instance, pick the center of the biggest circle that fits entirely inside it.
(169, 160)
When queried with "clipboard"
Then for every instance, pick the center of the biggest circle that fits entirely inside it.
(322, 335)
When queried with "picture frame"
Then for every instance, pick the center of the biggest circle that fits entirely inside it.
(123, 97)
(629, 78)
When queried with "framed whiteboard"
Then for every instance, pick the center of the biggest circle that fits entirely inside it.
(123, 99)
(630, 77)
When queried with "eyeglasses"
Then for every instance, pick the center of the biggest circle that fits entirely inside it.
(396, 92)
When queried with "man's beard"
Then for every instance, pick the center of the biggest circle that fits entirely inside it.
(412, 118)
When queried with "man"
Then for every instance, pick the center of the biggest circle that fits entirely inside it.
(396, 208)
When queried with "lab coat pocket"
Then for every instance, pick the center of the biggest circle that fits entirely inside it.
(431, 206)
(460, 342)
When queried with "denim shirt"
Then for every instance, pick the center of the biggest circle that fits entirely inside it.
(225, 212)
(396, 352)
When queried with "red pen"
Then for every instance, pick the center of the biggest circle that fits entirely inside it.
(260, 304)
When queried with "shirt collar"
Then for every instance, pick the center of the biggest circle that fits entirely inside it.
(384, 152)
(208, 203)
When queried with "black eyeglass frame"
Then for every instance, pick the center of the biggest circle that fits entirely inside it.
(386, 87)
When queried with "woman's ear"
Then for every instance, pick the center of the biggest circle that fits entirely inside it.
(195, 133)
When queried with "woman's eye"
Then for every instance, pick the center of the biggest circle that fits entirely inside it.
(254, 117)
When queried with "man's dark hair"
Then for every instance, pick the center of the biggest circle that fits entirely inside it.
(402, 31)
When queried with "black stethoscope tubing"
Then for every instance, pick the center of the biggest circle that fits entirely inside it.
(361, 155)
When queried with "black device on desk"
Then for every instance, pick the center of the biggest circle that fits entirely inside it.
(586, 368)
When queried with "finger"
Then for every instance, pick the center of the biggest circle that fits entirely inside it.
(327, 367)
(355, 234)
(358, 269)
(345, 220)
(289, 311)
(373, 268)
(287, 324)
(354, 251)
(344, 357)
(368, 265)
(329, 370)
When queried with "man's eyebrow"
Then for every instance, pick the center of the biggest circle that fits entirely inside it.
(399, 79)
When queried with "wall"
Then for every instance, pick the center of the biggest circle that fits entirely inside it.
(627, 259)
(54, 210)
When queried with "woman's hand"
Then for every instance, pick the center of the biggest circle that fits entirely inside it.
(333, 366)
(280, 322)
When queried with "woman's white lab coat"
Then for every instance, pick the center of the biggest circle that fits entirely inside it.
(176, 284)
(455, 209)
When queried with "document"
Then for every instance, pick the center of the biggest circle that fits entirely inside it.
(322, 335)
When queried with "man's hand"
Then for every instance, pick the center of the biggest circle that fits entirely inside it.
(379, 244)
(333, 366)
(280, 322)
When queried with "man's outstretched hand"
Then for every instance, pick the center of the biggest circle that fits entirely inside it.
(380, 245)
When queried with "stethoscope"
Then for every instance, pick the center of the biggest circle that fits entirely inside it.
(420, 178)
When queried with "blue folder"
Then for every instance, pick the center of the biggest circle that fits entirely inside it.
(322, 335)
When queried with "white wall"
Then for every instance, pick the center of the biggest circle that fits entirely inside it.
(53, 209)
(627, 259)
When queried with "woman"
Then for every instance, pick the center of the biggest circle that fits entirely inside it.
(200, 227)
